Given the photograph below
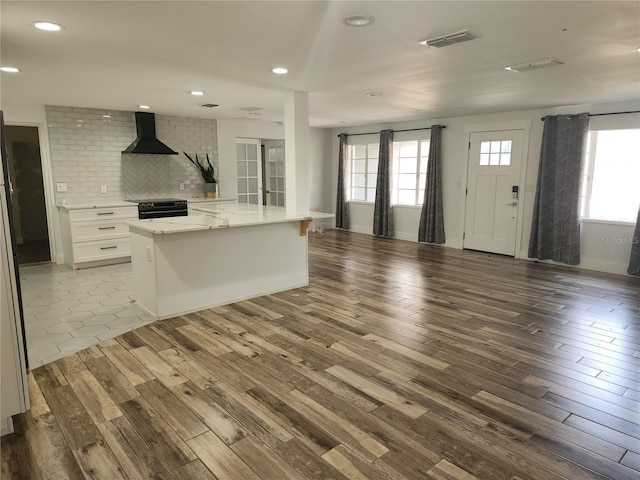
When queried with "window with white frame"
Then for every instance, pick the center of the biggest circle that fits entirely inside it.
(612, 169)
(409, 171)
(364, 171)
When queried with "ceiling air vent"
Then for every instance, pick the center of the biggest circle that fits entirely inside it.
(524, 67)
(449, 39)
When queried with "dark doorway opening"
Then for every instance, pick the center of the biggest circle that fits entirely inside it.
(28, 201)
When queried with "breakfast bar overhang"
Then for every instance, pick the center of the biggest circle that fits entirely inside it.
(217, 256)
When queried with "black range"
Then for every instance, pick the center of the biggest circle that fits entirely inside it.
(161, 207)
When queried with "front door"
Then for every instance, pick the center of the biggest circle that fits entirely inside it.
(493, 178)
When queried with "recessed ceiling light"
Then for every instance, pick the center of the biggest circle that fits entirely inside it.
(373, 94)
(9, 69)
(47, 26)
(358, 20)
(638, 49)
(255, 114)
(146, 107)
(279, 70)
(197, 93)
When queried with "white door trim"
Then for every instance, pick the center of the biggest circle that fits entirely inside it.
(524, 125)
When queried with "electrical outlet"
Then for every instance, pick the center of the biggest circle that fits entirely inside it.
(61, 187)
(103, 188)
(182, 186)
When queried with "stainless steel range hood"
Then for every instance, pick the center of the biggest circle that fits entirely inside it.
(147, 142)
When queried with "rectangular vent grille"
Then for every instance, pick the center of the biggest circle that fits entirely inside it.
(449, 39)
(525, 67)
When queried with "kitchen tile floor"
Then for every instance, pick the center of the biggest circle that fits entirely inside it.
(69, 310)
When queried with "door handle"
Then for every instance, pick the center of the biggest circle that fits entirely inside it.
(513, 204)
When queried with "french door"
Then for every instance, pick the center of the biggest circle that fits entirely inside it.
(248, 161)
(274, 172)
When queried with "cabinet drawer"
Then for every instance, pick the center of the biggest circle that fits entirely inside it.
(100, 250)
(99, 230)
(89, 214)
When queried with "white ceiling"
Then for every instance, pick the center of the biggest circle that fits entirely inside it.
(119, 54)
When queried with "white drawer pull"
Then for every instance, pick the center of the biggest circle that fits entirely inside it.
(109, 248)
(106, 228)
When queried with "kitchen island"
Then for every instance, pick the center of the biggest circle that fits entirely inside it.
(219, 254)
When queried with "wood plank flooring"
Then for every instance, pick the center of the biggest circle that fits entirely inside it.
(398, 361)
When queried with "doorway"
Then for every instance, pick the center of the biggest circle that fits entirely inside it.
(28, 200)
(493, 191)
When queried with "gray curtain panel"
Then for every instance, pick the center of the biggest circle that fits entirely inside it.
(555, 230)
(382, 212)
(634, 262)
(342, 207)
(431, 228)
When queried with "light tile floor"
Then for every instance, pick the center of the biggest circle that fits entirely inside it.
(69, 310)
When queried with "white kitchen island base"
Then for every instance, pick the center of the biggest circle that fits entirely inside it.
(186, 264)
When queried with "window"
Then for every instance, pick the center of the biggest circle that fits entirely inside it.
(610, 183)
(497, 152)
(364, 171)
(409, 171)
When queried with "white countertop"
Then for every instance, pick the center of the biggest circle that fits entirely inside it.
(126, 203)
(80, 206)
(222, 216)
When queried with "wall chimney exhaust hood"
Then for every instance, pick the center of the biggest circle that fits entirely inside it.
(147, 143)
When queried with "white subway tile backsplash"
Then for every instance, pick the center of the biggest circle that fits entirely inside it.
(89, 155)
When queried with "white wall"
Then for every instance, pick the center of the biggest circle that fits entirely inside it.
(320, 157)
(320, 165)
(228, 131)
(597, 253)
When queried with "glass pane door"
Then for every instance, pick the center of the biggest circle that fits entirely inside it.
(249, 175)
(274, 171)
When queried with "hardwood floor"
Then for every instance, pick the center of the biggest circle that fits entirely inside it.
(399, 361)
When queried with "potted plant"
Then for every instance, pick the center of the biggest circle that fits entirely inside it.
(207, 172)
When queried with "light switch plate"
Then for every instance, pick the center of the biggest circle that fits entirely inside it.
(61, 187)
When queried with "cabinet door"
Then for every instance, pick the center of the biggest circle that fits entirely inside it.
(98, 230)
(102, 213)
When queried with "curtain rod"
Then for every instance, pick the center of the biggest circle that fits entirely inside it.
(600, 114)
(405, 130)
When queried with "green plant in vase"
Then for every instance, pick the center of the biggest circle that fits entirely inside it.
(208, 175)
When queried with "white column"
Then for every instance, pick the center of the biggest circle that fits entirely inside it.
(296, 141)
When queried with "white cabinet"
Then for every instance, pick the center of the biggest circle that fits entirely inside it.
(97, 235)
